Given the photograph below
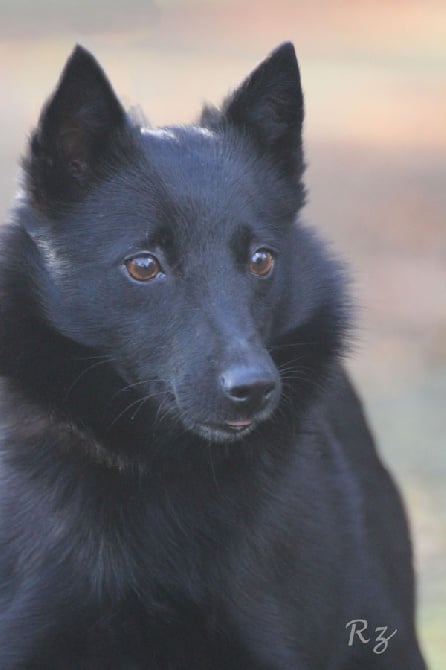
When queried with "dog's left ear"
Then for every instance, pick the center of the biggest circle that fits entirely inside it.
(74, 129)
(269, 107)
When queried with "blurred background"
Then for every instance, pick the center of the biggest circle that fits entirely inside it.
(374, 75)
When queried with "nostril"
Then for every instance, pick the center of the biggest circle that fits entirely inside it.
(240, 392)
(248, 385)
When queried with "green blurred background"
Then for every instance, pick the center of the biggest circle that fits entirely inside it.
(374, 74)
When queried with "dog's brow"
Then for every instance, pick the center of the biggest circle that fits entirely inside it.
(240, 240)
(162, 236)
(242, 235)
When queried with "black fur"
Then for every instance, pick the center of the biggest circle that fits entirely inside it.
(187, 479)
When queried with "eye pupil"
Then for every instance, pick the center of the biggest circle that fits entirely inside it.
(143, 268)
(261, 262)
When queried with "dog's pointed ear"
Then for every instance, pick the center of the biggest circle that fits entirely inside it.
(74, 127)
(269, 107)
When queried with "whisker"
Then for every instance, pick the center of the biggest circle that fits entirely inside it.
(289, 345)
(125, 388)
(82, 374)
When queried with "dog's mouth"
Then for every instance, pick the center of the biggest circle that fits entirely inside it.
(239, 425)
(227, 431)
(212, 428)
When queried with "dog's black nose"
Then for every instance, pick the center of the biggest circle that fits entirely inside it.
(247, 386)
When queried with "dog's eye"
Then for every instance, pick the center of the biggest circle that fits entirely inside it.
(143, 267)
(261, 263)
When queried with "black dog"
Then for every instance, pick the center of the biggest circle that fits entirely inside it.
(187, 480)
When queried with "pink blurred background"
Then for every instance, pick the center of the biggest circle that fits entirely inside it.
(374, 75)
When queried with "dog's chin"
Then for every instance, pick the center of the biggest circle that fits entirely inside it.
(213, 432)
(225, 431)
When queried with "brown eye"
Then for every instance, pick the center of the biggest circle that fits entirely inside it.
(143, 267)
(261, 262)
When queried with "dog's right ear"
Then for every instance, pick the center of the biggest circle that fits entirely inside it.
(74, 129)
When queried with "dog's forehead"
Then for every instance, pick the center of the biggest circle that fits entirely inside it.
(180, 151)
(200, 175)
(177, 134)
(194, 161)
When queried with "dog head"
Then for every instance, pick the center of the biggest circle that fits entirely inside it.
(176, 252)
